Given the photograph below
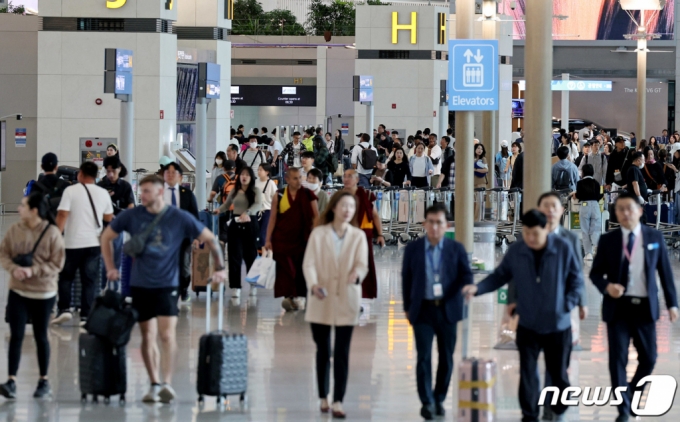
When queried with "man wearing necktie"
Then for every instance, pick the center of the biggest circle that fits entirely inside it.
(664, 137)
(631, 306)
(434, 271)
(178, 196)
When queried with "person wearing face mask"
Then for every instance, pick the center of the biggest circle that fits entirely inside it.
(218, 165)
(314, 179)
(636, 180)
(253, 157)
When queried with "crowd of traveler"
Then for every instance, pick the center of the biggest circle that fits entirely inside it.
(272, 199)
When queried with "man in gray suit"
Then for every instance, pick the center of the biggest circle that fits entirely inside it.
(550, 204)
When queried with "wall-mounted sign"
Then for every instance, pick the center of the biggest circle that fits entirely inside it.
(363, 88)
(187, 55)
(209, 80)
(581, 85)
(412, 27)
(442, 37)
(115, 4)
(272, 95)
(117, 71)
(20, 137)
(473, 75)
(168, 4)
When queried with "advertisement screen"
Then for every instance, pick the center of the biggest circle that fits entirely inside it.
(589, 20)
(273, 95)
(517, 108)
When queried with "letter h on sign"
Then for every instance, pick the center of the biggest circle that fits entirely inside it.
(441, 33)
(396, 27)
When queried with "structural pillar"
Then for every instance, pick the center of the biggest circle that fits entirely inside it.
(127, 135)
(369, 119)
(489, 129)
(201, 147)
(642, 80)
(565, 104)
(465, 123)
(538, 117)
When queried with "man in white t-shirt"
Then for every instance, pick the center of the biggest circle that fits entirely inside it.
(357, 160)
(232, 141)
(434, 151)
(81, 214)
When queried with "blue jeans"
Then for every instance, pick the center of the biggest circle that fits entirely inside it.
(591, 224)
(365, 180)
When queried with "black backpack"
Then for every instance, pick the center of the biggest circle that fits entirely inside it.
(563, 181)
(369, 158)
(52, 194)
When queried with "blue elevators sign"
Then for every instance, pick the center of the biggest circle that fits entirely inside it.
(473, 75)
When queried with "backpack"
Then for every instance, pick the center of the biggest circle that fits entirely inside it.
(332, 162)
(369, 158)
(51, 195)
(563, 181)
(259, 154)
(227, 187)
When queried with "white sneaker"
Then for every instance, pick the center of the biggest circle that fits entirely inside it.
(236, 293)
(167, 394)
(62, 317)
(589, 257)
(253, 291)
(300, 303)
(152, 396)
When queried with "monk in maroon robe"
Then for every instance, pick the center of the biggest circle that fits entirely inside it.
(294, 211)
(370, 223)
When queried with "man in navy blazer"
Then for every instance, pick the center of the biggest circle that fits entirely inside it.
(434, 271)
(624, 270)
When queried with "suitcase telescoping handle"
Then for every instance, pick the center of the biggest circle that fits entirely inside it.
(220, 305)
(467, 328)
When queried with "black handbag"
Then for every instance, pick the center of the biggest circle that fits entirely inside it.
(26, 259)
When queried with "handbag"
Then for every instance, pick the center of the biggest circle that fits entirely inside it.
(340, 170)
(26, 259)
(262, 273)
(136, 245)
(112, 319)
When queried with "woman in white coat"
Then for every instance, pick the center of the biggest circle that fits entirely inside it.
(335, 263)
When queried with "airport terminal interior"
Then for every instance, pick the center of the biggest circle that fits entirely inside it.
(173, 84)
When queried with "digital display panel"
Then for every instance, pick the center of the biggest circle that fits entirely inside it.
(273, 95)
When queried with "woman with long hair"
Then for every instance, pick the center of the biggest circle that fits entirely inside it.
(218, 165)
(654, 145)
(481, 167)
(335, 262)
(516, 149)
(421, 167)
(33, 254)
(399, 168)
(244, 231)
(502, 159)
(641, 145)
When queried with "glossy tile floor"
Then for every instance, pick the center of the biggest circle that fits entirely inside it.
(282, 384)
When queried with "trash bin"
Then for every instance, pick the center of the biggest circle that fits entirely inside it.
(484, 235)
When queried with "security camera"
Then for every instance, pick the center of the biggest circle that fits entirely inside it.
(513, 5)
(20, 116)
(339, 115)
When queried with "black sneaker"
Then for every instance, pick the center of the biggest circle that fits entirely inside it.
(43, 390)
(9, 390)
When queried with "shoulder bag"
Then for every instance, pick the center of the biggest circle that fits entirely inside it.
(26, 259)
(136, 245)
(94, 210)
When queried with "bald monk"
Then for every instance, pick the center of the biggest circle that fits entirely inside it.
(294, 211)
(370, 223)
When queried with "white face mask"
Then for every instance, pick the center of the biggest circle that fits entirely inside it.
(218, 162)
(312, 186)
(642, 165)
(253, 145)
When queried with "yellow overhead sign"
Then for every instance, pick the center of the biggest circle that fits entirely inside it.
(115, 4)
(441, 33)
(396, 27)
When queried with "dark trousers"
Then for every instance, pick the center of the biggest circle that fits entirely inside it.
(264, 223)
(556, 348)
(185, 266)
(619, 334)
(242, 246)
(322, 337)
(419, 182)
(432, 321)
(19, 309)
(87, 260)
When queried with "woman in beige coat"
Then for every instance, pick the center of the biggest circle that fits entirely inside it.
(336, 260)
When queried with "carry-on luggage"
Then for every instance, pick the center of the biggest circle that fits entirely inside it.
(202, 267)
(476, 382)
(666, 215)
(112, 319)
(102, 369)
(222, 359)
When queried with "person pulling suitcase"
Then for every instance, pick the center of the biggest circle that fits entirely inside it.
(157, 231)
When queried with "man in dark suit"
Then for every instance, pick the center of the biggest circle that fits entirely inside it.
(549, 282)
(663, 139)
(177, 195)
(433, 273)
(624, 270)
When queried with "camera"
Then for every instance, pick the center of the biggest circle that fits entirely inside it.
(513, 5)
(20, 116)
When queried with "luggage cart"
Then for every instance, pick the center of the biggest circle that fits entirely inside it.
(508, 230)
(480, 201)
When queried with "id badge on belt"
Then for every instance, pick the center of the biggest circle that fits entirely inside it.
(437, 290)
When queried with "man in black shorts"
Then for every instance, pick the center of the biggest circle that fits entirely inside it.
(155, 276)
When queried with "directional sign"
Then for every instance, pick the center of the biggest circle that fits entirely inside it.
(473, 75)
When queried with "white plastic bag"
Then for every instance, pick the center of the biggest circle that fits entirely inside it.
(263, 272)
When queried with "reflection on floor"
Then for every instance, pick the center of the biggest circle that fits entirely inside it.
(282, 383)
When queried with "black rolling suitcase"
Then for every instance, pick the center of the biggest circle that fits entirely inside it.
(102, 367)
(222, 359)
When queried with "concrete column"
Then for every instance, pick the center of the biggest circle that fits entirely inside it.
(565, 105)
(465, 122)
(127, 135)
(370, 113)
(642, 81)
(489, 129)
(538, 118)
(201, 147)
